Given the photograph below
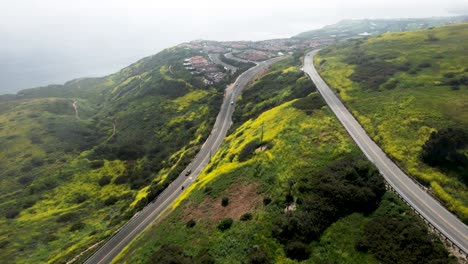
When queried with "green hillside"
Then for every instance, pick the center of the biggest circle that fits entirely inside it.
(288, 184)
(410, 93)
(352, 28)
(69, 181)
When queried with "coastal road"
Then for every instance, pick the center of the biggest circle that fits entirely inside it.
(112, 247)
(426, 206)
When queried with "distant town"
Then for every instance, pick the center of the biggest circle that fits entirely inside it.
(211, 64)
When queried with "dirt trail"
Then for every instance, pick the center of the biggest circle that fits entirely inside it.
(75, 106)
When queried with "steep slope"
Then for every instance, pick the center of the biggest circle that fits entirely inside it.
(78, 159)
(287, 185)
(410, 93)
(352, 28)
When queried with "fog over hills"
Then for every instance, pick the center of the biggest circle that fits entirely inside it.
(55, 41)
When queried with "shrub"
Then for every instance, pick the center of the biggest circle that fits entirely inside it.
(225, 201)
(309, 103)
(391, 84)
(96, 164)
(297, 250)
(401, 240)
(424, 65)
(258, 256)
(11, 213)
(122, 179)
(104, 180)
(111, 200)
(67, 217)
(76, 226)
(444, 149)
(246, 217)
(81, 197)
(247, 151)
(170, 254)
(225, 224)
(191, 223)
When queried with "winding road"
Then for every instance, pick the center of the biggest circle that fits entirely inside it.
(435, 214)
(214, 57)
(112, 247)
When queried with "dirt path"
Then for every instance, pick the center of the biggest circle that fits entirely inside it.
(75, 106)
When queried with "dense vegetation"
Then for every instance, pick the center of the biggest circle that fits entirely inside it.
(409, 91)
(68, 182)
(288, 184)
(280, 84)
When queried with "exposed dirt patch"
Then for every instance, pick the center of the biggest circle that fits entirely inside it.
(242, 199)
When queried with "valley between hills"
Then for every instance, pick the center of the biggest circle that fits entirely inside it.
(288, 184)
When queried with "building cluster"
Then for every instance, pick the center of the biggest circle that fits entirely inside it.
(210, 72)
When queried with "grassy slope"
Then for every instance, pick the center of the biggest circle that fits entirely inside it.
(52, 163)
(297, 142)
(401, 119)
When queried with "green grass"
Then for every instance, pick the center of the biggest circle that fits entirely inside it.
(52, 205)
(401, 110)
(302, 137)
(297, 140)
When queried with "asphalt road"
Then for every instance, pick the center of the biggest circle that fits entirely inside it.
(215, 58)
(232, 57)
(437, 216)
(112, 247)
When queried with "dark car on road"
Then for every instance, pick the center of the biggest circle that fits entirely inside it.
(187, 173)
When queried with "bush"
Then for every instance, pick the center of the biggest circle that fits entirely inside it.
(170, 254)
(77, 226)
(67, 217)
(111, 200)
(391, 84)
(424, 65)
(225, 224)
(96, 164)
(81, 197)
(248, 150)
(122, 179)
(309, 103)
(225, 201)
(401, 240)
(191, 223)
(246, 217)
(346, 186)
(444, 149)
(258, 256)
(11, 213)
(104, 180)
(297, 250)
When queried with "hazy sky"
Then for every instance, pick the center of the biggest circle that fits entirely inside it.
(51, 41)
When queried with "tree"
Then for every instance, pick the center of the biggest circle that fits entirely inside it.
(225, 224)
(225, 201)
(170, 254)
(297, 250)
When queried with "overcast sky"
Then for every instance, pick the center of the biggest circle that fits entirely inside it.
(51, 41)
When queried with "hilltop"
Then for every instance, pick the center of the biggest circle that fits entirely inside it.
(366, 27)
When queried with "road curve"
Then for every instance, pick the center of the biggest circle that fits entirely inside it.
(214, 57)
(434, 213)
(112, 247)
